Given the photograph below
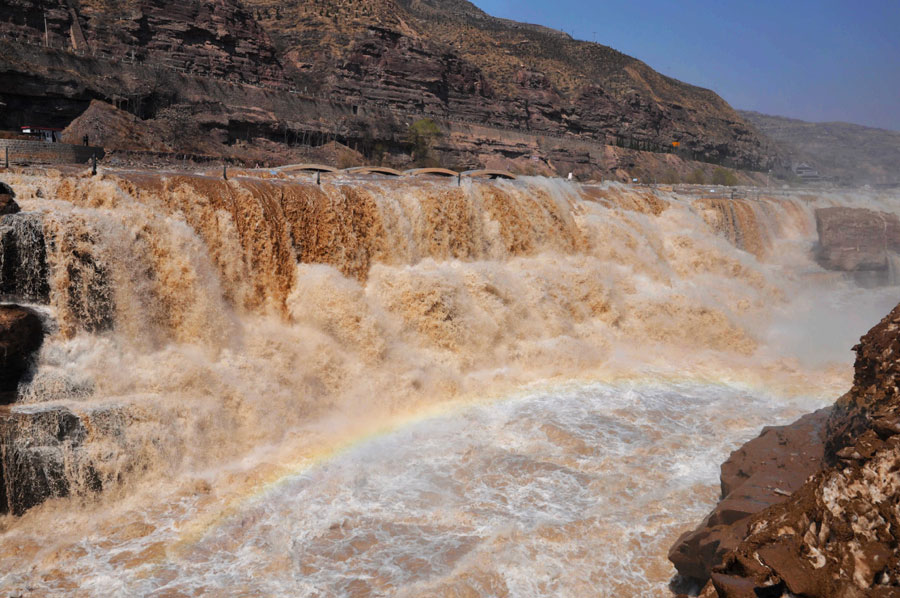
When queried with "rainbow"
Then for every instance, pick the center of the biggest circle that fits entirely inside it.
(309, 458)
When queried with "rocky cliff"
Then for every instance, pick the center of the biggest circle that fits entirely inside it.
(299, 73)
(818, 512)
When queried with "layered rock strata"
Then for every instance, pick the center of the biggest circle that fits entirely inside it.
(838, 534)
(42, 457)
(220, 73)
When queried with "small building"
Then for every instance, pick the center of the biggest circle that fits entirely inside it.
(807, 173)
(46, 134)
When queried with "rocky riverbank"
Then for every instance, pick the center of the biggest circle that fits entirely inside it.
(812, 508)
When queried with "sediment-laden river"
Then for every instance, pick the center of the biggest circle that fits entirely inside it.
(400, 388)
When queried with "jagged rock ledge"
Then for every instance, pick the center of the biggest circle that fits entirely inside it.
(836, 533)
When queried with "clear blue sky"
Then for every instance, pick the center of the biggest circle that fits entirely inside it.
(818, 60)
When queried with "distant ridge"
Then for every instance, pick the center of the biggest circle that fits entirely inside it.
(853, 154)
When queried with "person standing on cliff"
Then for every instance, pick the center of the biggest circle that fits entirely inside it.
(84, 140)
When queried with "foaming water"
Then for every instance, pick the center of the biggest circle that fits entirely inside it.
(571, 492)
(225, 345)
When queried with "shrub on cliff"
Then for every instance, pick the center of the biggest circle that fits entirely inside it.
(696, 178)
(723, 176)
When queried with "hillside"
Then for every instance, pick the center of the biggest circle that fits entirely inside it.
(303, 74)
(453, 60)
(853, 154)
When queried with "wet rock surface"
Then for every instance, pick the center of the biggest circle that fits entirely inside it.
(24, 271)
(856, 239)
(839, 533)
(21, 335)
(41, 457)
(23, 259)
(762, 473)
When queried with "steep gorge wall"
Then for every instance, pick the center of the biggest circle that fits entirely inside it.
(219, 36)
(367, 71)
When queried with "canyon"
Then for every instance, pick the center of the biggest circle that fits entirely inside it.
(851, 154)
(201, 341)
(254, 80)
(252, 381)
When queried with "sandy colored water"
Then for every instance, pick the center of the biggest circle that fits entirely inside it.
(407, 388)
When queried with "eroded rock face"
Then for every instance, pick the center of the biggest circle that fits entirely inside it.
(21, 334)
(856, 239)
(360, 72)
(762, 473)
(23, 259)
(838, 535)
(219, 35)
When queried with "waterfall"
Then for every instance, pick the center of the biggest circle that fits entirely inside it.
(23, 260)
(202, 327)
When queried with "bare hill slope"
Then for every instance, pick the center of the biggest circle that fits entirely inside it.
(854, 154)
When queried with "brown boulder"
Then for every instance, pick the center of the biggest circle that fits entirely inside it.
(798, 573)
(729, 586)
(763, 472)
(838, 535)
(21, 334)
(856, 239)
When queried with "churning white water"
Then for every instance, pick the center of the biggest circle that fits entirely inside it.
(407, 389)
(570, 491)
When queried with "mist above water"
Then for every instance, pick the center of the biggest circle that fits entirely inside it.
(222, 338)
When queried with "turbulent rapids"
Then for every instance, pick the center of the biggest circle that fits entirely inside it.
(265, 387)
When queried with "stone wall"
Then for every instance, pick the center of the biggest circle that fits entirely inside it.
(31, 152)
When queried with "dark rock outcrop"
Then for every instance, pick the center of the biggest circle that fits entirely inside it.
(8, 203)
(88, 295)
(40, 457)
(21, 334)
(23, 259)
(856, 239)
(838, 535)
